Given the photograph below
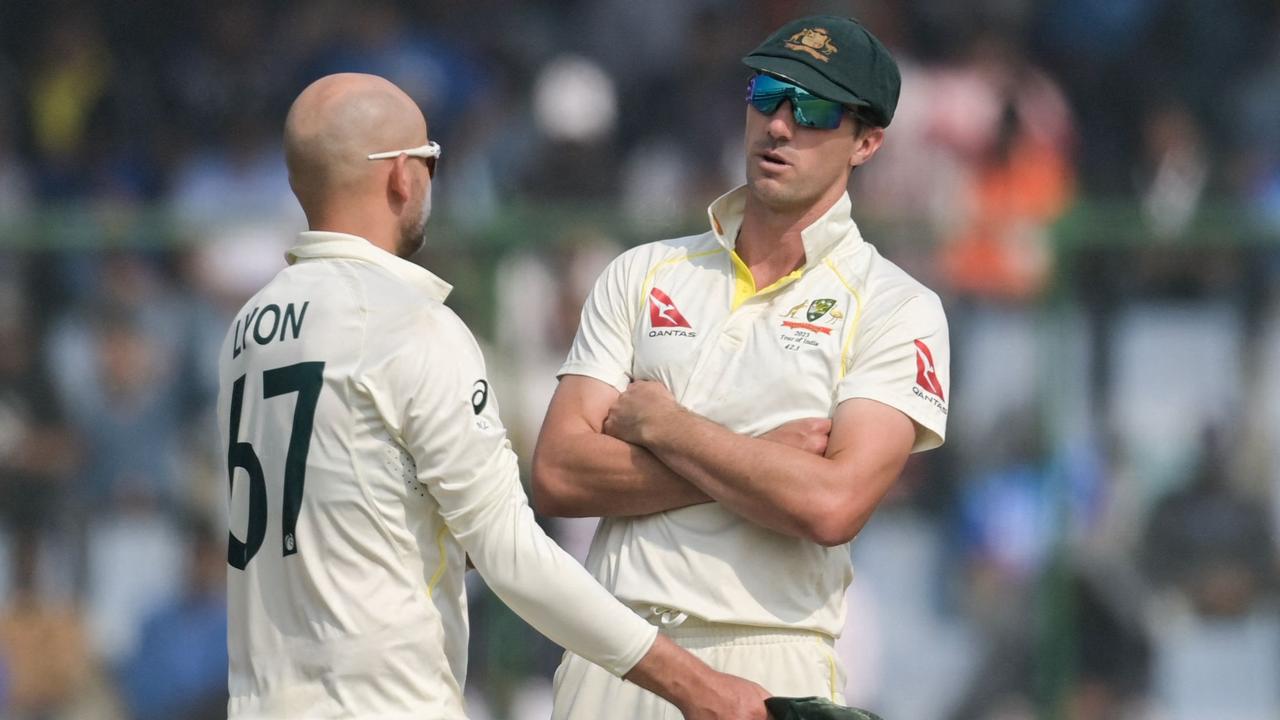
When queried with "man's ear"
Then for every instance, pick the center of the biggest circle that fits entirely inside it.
(865, 145)
(399, 183)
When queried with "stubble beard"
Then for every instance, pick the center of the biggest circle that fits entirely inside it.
(412, 238)
(414, 235)
(776, 194)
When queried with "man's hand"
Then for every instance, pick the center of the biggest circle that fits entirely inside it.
(644, 403)
(807, 434)
(729, 698)
(691, 685)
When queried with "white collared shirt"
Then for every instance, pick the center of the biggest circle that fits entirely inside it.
(367, 462)
(686, 312)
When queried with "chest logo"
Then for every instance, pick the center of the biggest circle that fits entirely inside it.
(926, 372)
(480, 396)
(663, 312)
(822, 309)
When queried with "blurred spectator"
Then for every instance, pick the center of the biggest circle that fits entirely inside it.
(225, 65)
(1210, 543)
(439, 73)
(1096, 47)
(1012, 125)
(575, 110)
(236, 183)
(66, 99)
(179, 667)
(127, 416)
(4, 687)
(915, 189)
(35, 450)
(134, 563)
(119, 370)
(232, 199)
(15, 190)
(125, 371)
(1102, 658)
(1255, 150)
(1209, 553)
(539, 299)
(1173, 171)
(680, 156)
(44, 644)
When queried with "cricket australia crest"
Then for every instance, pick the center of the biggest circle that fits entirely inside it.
(814, 42)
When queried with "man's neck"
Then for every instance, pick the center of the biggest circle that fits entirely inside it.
(770, 242)
(355, 220)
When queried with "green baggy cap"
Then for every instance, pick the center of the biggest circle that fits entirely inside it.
(813, 708)
(834, 58)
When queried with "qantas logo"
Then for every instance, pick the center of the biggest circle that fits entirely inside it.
(926, 373)
(663, 312)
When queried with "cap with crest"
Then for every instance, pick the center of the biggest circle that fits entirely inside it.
(835, 58)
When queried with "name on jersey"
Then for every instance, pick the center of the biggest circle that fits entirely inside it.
(267, 324)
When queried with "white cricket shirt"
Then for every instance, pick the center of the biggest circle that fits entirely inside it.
(686, 312)
(366, 461)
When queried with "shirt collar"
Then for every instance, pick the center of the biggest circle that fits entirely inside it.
(819, 239)
(315, 244)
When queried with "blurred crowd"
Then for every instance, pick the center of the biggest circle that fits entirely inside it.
(1093, 186)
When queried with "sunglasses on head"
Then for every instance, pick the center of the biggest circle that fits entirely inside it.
(766, 93)
(428, 152)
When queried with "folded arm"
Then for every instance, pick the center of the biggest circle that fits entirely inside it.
(824, 498)
(581, 471)
(578, 471)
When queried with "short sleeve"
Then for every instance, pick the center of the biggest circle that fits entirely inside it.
(604, 346)
(905, 362)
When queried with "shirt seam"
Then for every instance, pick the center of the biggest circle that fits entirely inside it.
(857, 317)
(362, 385)
(653, 270)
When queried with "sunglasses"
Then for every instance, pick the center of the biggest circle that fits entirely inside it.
(766, 93)
(428, 152)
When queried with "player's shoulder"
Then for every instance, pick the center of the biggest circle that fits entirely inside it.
(876, 275)
(443, 322)
(646, 256)
(248, 316)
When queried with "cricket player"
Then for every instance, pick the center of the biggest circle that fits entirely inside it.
(366, 461)
(780, 316)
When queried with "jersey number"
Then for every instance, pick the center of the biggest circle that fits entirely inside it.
(305, 379)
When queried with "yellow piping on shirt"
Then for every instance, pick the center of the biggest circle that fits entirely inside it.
(831, 665)
(644, 289)
(744, 283)
(857, 318)
(439, 573)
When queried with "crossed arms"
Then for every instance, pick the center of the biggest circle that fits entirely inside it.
(605, 453)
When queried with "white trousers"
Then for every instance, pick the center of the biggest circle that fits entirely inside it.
(790, 663)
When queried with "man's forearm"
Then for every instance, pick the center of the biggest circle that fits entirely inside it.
(768, 483)
(694, 688)
(594, 475)
(825, 499)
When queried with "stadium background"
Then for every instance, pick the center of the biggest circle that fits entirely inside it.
(1093, 186)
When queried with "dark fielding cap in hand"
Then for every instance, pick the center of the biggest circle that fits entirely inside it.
(834, 58)
(813, 708)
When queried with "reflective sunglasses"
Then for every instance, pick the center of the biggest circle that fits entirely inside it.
(428, 152)
(766, 93)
